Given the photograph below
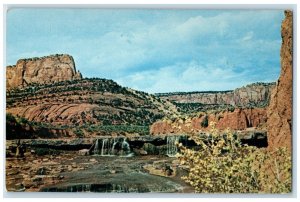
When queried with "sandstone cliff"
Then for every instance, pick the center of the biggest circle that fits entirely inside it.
(239, 119)
(42, 70)
(280, 108)
(252, 95)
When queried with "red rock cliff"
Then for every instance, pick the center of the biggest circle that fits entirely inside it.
(280, 109)
(239, 119)
(47, 69)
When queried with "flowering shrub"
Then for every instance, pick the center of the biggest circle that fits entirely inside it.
(223, 165)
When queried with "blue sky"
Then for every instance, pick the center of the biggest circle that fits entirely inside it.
(154, 50)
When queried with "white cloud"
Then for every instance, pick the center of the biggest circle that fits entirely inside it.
(160, 51)
(248, 36)
(185, 77)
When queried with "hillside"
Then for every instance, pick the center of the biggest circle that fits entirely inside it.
(85, 102)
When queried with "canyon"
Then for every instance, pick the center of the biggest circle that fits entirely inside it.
(69, 133)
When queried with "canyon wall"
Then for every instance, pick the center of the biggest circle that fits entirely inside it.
(257, 94)
(42, 70)
(239, 119)
(280, 109)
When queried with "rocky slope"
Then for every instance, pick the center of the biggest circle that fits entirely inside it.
(42, 70)
(280, 109)
(83, 103)
(253, 95)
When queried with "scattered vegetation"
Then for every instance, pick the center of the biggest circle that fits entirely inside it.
(79, 133)
(15, 127)
(117, 105)
(223, 165)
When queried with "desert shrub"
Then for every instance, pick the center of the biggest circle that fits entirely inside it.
(23, 121)
(79, 133)
(275, 170)
(10, 118)
(223, 165)
(204, 122)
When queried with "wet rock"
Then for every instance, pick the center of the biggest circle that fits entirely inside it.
(42, 171)
(27, 183)
(19, 187)
(161, 168)
(70, 168)
(74, 165)
(26, 167)
(84, 152)
(35, 161)
(140, 151)
(12, 172)
(150, 149)
(143, 152)
(93, 160)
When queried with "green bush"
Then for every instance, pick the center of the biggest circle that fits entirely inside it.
(79, 133)
(224, 165)
(204, 122)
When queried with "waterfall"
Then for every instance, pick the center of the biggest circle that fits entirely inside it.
(171, 145)
(112, 146)
(107, 147)
(96, 149)
(125, 147)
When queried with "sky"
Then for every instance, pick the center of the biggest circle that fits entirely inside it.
(154, 50)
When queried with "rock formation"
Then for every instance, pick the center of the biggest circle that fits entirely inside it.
(257, 94)
(280, 108)
(42, 70)
(239, 119)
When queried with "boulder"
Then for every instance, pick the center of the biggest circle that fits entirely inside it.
(161, 169)
(84, 152)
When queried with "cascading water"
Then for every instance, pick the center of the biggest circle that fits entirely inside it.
(96, 148)
(125, 147)
(112, 146)
(171, 145)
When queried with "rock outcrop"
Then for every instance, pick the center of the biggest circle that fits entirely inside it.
(42, 70)
(252, 95)
(280, 108)
(239, 119)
